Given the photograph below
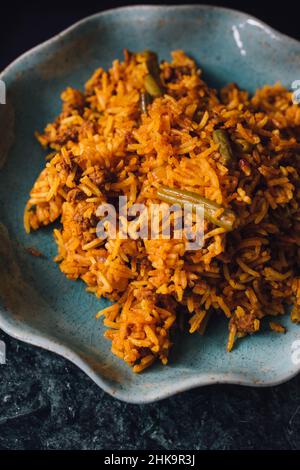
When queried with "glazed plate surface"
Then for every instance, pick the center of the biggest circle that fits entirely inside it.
(38, 304)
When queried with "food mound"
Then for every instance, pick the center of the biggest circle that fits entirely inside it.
(156, 132)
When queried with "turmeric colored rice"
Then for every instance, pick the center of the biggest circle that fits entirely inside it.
(104, 145)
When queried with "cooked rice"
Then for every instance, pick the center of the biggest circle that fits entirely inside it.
(277, 327)
(104, 147)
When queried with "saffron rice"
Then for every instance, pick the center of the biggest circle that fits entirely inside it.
(103, 146)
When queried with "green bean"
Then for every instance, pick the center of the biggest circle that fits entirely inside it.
(145, 100)
(178, 196)
(152, 86)
(220, 137)
(153, 83)
(152, 63)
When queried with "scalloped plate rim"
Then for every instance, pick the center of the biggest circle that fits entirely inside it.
(188, 384)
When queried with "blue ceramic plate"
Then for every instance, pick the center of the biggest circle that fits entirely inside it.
(38, 304)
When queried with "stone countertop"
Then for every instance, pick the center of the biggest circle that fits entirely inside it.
(48, 403)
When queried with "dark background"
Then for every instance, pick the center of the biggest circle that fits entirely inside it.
(47, 403)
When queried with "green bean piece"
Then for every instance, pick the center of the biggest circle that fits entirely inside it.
(153, 83)
(178, 196)
(145, 100)
(220, 137)
(152, 86)
(152, 63)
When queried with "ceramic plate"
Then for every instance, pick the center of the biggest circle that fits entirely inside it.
(38, 304)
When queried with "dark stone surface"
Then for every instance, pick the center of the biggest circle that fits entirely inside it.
(48, 403)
